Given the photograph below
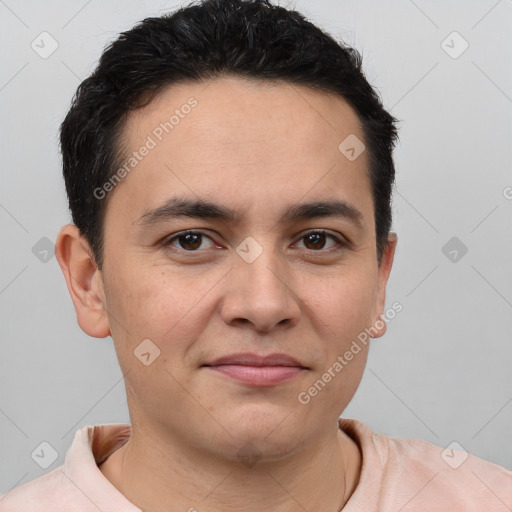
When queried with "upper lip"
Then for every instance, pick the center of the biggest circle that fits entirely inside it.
(249, 359)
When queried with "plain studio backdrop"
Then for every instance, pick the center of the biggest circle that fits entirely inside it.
(442, 372)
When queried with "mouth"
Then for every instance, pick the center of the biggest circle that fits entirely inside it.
(256, 370)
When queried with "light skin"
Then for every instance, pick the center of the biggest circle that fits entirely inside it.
(258, 149)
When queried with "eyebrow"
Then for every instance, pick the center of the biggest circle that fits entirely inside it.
(202, 209)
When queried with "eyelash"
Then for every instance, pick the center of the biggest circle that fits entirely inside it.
(340, 243)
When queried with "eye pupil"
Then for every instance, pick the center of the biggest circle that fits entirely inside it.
(316, 239)
(193, 239)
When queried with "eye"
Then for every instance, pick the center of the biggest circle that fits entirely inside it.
(189, 241)
(192, 241)
(315, 240)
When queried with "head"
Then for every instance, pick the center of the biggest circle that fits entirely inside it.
(229, 172)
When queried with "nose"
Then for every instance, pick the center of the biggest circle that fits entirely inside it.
(261, 294)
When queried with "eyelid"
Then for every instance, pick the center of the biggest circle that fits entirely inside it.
(340, 240)
(334, 234)
(167, 241)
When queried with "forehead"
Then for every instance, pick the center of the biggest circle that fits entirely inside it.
(236, 139)
(257, 109)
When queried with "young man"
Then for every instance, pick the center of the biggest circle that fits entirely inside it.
(229, 172)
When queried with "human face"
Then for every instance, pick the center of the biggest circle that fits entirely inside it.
(258, 150)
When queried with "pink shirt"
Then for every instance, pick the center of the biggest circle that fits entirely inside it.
(397, 475)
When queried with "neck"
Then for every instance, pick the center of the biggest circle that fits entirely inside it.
(158, 476)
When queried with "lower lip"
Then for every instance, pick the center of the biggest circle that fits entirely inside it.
(258, 375)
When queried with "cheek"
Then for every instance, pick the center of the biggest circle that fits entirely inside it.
(344, 303)
(343, 311)
(166, 307)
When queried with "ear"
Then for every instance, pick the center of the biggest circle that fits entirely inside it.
(84, 281)
(379, 326)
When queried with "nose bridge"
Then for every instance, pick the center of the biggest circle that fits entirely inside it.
(261, 267)
(259, 289)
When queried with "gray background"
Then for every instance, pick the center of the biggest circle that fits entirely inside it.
(441, 373)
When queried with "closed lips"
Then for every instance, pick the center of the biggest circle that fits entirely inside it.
(257, 360)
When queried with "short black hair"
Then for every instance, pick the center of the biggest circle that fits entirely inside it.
(200, 41)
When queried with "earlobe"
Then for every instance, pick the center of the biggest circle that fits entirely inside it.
(84, 281)
(379, 325)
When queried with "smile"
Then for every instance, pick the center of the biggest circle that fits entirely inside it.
(258, 375)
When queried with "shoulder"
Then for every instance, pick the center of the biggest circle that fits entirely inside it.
(416, 474)
(77, 485)
(449, 475)
(42, 493)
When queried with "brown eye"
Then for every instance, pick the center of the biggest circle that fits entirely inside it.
(316, 240)
(189, 241)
